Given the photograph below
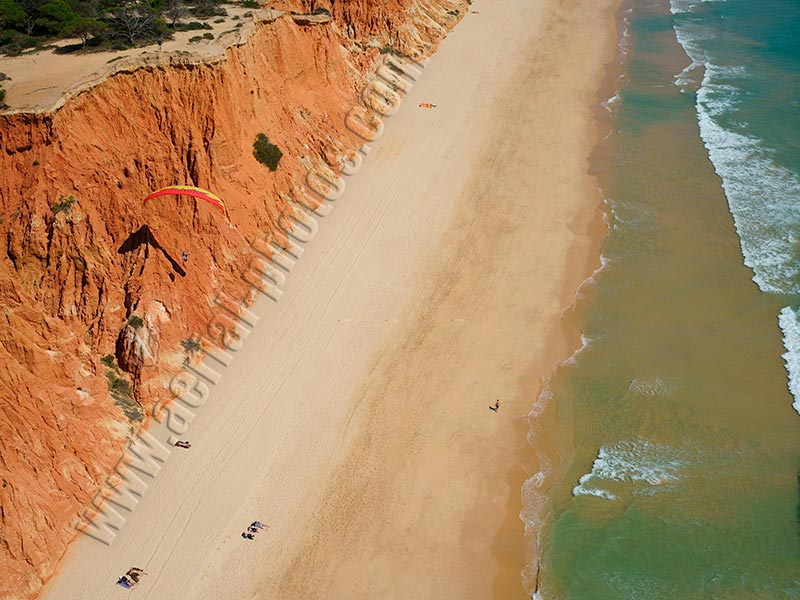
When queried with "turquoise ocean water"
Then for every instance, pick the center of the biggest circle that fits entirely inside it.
(677, 473)
(748, 107)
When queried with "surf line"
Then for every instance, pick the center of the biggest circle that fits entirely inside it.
(231, 321)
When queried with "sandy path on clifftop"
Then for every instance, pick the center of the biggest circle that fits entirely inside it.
(355, 421)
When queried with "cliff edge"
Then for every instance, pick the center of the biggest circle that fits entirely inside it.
(88, 272)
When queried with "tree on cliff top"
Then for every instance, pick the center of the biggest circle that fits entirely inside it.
(173, 11)
(54, 16)
(136, 21)
(85, 28)
(11, 14)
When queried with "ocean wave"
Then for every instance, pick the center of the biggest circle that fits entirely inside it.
(686, 78)
(592, 279)
(612, 103)
(573, 358)
(653, 386)
(761, 193)
(789, 321)
(684, 6)
(630, 466)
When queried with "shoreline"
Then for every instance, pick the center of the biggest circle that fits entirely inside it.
(547, 457)
(508, 545)
(388, 279)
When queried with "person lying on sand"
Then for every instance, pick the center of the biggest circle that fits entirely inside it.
(496, 406)
(131, 578)
(248, 536)
(183, 444)
(259, 525)
(135, 573)
(427, 105)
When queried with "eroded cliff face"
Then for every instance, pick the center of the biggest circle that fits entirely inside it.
(87, 267)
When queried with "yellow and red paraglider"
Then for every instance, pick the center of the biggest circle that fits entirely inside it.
(188, 190)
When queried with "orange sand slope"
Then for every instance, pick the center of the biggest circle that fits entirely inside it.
(83, 256)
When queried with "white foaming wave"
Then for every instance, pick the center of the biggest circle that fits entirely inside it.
(542, 400)
(684, 6)
(592, 279)
(582, 490)
(653, 386)
(573, 358)
(611, 105)
(534, 492)
(638, 463)
(789, 320)
(686, 77)
(761, 193)
(689, 35)
(625, 38)
(632, 215)
(533, 501)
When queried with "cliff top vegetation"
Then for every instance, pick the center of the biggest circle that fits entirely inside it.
(29, 25)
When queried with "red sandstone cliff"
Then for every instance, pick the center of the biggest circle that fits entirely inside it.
(74, 273)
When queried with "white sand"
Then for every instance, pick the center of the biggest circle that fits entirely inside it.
(305, 392)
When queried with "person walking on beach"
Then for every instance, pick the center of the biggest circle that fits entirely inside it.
(496, 406)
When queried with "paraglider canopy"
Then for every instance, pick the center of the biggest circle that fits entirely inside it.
(188, 190)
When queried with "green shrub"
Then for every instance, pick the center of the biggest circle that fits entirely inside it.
(26, 42)
(109, 360)
(219, 20)
(135, 322)
(250, 4)
(197, 38)
(207, 8)
(266, 153)
(191, 345)
(193, 26)
(63, 205)
(233, 18)
(208, 36)
(122, 393)
(2, 96)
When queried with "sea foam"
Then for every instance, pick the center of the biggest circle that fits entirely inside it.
(761, 193)
(789, 321)
(634, 466)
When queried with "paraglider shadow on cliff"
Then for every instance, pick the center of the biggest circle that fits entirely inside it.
(144, 236)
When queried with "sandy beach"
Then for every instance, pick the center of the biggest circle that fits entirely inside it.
(435, 286)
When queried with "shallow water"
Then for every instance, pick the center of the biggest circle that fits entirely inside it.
(678, 476)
